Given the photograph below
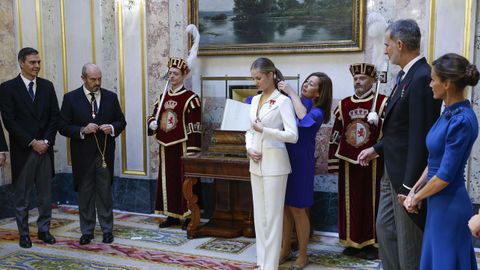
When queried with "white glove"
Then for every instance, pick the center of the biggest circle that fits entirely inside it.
(372, 118)
(153, 125)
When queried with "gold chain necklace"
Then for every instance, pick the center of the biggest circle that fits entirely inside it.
(104, 164)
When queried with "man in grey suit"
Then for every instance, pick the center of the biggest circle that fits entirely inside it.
(29, 109)
(92, 118)
(410, 112)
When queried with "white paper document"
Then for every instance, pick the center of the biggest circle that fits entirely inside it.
(235, 116)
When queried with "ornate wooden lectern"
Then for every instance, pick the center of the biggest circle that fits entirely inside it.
(226, 162)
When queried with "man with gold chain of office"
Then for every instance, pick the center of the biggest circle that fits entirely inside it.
(358, 187)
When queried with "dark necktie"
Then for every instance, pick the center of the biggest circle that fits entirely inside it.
(397, 82)
(30, 91)
(399, 77)
(93, 102)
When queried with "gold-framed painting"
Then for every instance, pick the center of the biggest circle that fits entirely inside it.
(242, 93)
(239, 27)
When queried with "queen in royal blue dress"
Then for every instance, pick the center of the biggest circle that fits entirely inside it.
(447, 241)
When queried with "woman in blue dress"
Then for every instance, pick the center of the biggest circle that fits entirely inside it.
(311, 109)
(447, 242)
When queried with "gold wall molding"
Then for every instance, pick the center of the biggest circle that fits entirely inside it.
(38, 16)
(92, 29)
(64, 67)
(468, 28)
(432, 25)
(19, 23)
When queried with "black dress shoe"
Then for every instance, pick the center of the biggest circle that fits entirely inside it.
(25, 242)
(185, 224)
(107, 238)
(370, 253)
(86, 239)
(170, 221)
(46, 237)
(351, 251)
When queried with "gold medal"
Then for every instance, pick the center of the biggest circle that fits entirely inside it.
(102, 153)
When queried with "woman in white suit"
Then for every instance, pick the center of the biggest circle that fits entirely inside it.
(272, 124)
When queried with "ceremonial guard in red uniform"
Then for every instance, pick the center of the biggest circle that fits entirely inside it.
(358, 187)
(177, 128)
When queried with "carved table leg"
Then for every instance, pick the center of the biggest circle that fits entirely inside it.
(192, 205)
(249, 227)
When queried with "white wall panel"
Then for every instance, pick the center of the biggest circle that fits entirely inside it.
(28, 20)
(78, 40)
(449, 35)
(132, 42)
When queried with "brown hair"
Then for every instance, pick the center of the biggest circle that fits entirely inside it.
(324, 99)
(457, 69)
(265, 65)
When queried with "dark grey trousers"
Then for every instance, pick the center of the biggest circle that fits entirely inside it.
(95, 197)
(399, 239)
(37, 171)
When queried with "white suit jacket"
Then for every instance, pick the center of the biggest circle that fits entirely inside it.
(278, 118)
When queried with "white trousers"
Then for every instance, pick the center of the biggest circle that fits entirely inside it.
(268, 203)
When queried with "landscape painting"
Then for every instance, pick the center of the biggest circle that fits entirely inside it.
(278, 26)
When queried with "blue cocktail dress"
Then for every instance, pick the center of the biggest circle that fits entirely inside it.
(302, 158)
(447, 241)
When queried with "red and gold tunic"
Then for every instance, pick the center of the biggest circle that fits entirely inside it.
(358, 187)
(179, 132)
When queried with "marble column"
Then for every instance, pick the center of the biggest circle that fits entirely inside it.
(158, 40)
(8, 62)
(107, 49)
(107, 57)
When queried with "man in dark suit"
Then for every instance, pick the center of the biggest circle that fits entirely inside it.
(92, 118)
(30, 112)
(410, 112)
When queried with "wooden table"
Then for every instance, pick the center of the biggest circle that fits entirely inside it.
(233, 214)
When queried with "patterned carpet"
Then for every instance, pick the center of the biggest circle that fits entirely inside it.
(140, 244)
